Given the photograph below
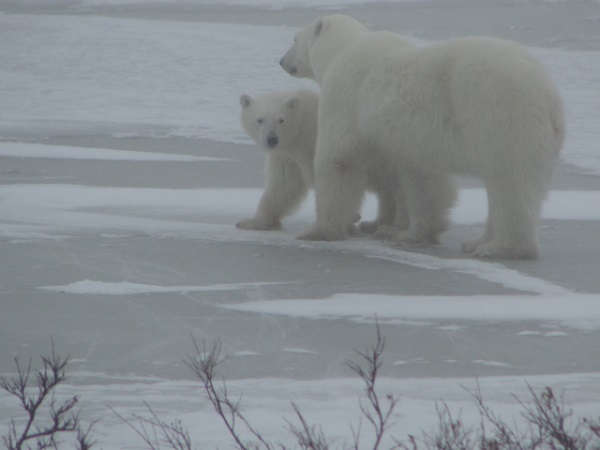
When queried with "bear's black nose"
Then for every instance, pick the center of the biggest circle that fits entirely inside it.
(272, 141)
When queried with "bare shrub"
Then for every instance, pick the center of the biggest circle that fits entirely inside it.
(548, 425)
(155, 432)
(204, 362)
(377, 412)
(35, 392)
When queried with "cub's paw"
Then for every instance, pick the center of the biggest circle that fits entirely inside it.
(253, 224)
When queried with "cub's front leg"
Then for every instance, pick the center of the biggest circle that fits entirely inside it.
(284, 191)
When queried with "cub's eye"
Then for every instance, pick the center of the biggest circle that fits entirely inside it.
(260, 120)
(281, 120)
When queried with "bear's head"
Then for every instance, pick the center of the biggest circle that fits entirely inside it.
(270, 120)
(316, 45)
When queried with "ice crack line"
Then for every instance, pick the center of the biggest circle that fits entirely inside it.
(491, 272)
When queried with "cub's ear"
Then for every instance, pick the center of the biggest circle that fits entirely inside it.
(293, 102)
(245, 101)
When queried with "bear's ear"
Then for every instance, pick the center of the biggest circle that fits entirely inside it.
(320, 26)
(293, 102)
(245, 101)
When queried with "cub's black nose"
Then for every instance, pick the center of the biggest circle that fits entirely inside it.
(272, 141)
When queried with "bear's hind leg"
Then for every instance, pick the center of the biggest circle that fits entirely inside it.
(513, 221)
(391, 210)
(429, 198)
(470, 245)
(384, 180)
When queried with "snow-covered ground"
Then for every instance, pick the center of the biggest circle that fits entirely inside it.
(123, 168)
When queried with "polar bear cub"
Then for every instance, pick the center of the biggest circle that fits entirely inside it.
(474, 105)
(285, 125)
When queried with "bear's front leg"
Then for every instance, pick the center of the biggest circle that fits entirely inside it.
(339, 189)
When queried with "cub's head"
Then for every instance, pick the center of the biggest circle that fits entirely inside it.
(271, 119)
(316, 45)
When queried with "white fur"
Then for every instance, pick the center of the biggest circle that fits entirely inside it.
(474, 105)
(285, 125)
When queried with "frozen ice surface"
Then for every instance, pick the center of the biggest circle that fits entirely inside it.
(39, 151)
(123, 169)
(65, 75)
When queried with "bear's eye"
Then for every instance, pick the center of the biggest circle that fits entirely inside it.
(260, 120)
(281, 120)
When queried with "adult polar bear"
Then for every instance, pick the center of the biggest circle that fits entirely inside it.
(474, 105)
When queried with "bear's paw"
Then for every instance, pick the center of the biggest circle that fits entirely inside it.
(254, 224)
(317, 234)
(490, 250)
